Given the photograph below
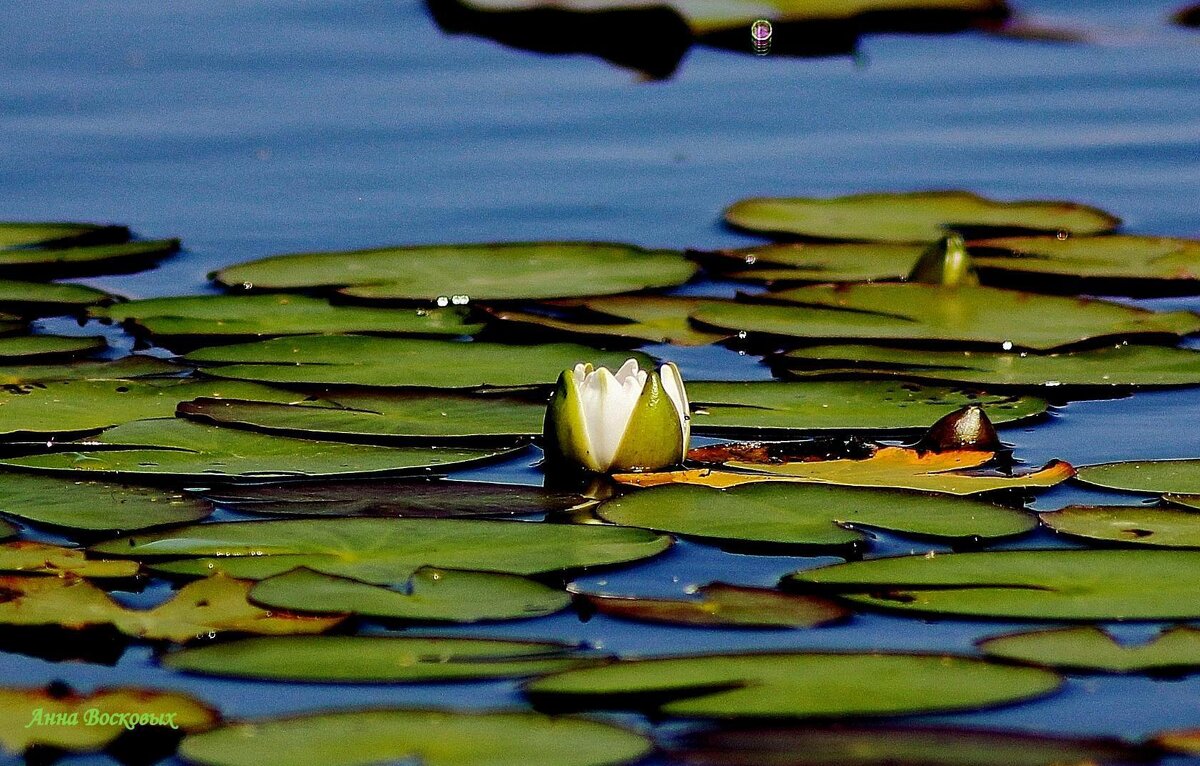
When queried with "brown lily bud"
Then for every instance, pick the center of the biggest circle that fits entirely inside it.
(965, 429)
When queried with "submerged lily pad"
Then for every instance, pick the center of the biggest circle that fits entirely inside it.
(964, 315)
(1122, 365)
(1134, 524)
(795, 685)
(182, 450)
(376, 659)
(36, 348)
(1022, 585)
(59, 704)
(648, 318)
(1175, 477)
(134, 366)
(498, 271)
(770, 406)
(911, 216)
(233, 316)
(387, 551)
(428, 737)
(48, 298)
(203, 608)
(31, 557)
(791, 514)
(428, 595)
(95, 506)
(1092, 649)
(724, 606)
(355, 360)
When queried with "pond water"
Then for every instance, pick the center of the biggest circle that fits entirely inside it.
(251, 128)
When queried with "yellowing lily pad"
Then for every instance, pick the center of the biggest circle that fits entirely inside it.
(1133, 524)
(1175, 477)
(911, 216)
(1092, 649)
(31, 557)
(648, 318)
(720, 605)
(498, 271)
(95, 506)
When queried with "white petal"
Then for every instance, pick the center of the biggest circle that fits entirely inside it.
(672, 383)
(608, 406)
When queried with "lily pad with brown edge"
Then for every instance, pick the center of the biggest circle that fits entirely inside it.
(774, 407)
(1161, 477)
(918, 313)
(1111, 367)
(381, 416)
(912, 216)
(1091, 649)
(197, 317)
(385, 551)
(32, 557)
(648, 319)
(30, 299)
(883, 745)
(127, 367)
(378, 659)
(42, 348)
(182, 451)
(34, 234)
(1040, 585)
(95, 506)
(794, 685)
(357, 360)
(1185, 741)
(217, 604)
(720, 605)
(1132, 524)
(474, 272)
(428, 737)
(67, 714)
(402, 498)
(429, 594)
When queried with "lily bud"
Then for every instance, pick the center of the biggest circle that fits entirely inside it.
(633, 420)
(947, 263)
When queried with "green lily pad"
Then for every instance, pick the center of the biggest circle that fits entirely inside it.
(911, 216)
(724, 606)
(203, 608)
(817, 262)
(412, 498)
(1134, 524)
(134, 366)
(645, 318)
(791, 514)
(376, 659)
(30, 557)
(355, 360)
(428, 737)
(77, 260)
(428, 595)
(17, 706)
(721, 408)
(1022, 585)
(233, 316)
(387, 551)
(1184, 501)
(1121, 365)
(34, 348)
(47, 298)
(795, 685)
(1175, 477)
(7, 530)
(95, 506)
(499, 271)
(38, 234)
(963, 315)
(182, 450)
(1092, 649)
(380, 416)
(1127, 261)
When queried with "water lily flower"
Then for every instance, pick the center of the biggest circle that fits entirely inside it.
(633, 420)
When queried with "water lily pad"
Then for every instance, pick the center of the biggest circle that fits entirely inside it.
(428, 595)
(47, 298)
(7, 530)
(182, 450)
(911, 216)
(1188, 16)
(376, 659)
(932, 313)
(22, 234)
(646, 318)
(1134, 524)
(355, 360)
(1023, 585)
(381, 416)
(1184, 501)
(412, 498)
(95, 506)
(387, 551)
(1092, 649)
(1122, 365)
(1176, 477)
(134, 366)
(76, 260)
(58, 703)
(721, 605)
(31, 557)
(233, 316)
(428, 737)
(35, 348)
(795, 685)
(499, 271)
(791, 514)
(771, 406)
(817, 262)
(203, 608)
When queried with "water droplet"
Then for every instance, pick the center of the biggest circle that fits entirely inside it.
(1053, 382)
(1007, 345)
(443, 301)
(460, 300)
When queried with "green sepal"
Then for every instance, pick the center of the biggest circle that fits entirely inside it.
(654, 437)
(565, 438)
(947, 263)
